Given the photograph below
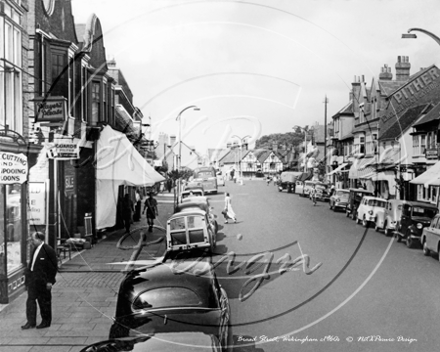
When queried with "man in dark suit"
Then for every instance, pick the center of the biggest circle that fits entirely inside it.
(40, 277)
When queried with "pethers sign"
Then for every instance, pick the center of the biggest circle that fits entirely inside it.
(13, 168)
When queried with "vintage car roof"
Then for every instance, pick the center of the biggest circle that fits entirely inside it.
(375, 198)
(360, 190)
(176, 274)
(198, 199)
(186, 212)
(194, 185)
(342, 190)
(165, 342)
(418, 203)
(196, 205)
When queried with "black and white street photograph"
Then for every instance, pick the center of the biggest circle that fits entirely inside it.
(219, 175)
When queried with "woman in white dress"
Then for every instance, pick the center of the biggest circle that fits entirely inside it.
(229, 212)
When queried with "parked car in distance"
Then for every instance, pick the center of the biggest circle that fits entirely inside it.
(322, 191)
(354, 199)
(201, 203)
(368, 209)
(299, 187)
(308, 185)
(165, 342)
(389, 219)
(287, 181)
(189, 193)
(415, 217)
(431, 237)
(339, 199)
(189, 229)
(220, 179)
(180, 297)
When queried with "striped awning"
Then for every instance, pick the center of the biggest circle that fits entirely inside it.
(362, 168)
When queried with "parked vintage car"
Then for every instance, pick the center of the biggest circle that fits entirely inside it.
(166, 342)
(322, 191)
(189, 229)
(368, 209)
(388, 220)
(339, 199)
(288, 180)
(308, 185)
(430, 239)
(180, 297)
(354, 199)
(195, 192)
(200, 203)
(220, 179)
(415, 217)
(299, 187)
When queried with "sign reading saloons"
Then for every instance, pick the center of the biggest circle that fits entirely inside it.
(50, 109)
(13, 168)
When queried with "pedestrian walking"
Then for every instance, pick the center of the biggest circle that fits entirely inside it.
(39, 279)
(228, 212)
(275, 180)
(268, 178)
(151, 206)
(127, 212)
(312, 195)
(137, 213)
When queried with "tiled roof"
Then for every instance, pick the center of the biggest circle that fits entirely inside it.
(388, 87)
(403, 123)
(410, 79)
(347, 136)
(432, 115)
(347, 109)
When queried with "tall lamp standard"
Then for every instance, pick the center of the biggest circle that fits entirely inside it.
(296, 127)
(239, 156)
(179, 164)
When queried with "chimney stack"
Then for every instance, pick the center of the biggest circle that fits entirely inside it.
(385, 74)
(402, 68)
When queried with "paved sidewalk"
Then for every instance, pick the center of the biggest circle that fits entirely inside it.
(84, 297)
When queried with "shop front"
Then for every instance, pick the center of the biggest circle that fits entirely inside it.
(13, 214)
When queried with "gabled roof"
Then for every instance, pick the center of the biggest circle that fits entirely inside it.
(217, 153)
(389, 87)
(403, 123)
(432, 115)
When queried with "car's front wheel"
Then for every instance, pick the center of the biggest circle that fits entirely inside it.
(358, 221)
(398, 238)
(409, 242)
(377, 228)
(364, 222)
(426, 251)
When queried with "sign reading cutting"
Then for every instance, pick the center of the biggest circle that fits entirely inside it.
(13, 168)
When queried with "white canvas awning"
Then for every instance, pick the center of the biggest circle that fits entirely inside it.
(430, 177)
(118, 163)
(338, 169)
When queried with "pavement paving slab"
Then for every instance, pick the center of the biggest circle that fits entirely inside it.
(83, 298)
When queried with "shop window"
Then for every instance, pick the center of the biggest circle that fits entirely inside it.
(59, 75)
(10, 215)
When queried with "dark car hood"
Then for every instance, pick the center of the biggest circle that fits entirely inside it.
(422, 219)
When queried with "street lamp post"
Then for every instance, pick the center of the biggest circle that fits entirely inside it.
(179, 164)
(239, 156)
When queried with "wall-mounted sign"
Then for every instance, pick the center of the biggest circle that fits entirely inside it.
(431, 154)
(37, 203)
(50, 109)
(13, 168)
(65, 150)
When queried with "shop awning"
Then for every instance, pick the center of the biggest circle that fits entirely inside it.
(305, 176)
(387, 175)
(362, 168)
(118, 163)
(338, 169)
(430, 177)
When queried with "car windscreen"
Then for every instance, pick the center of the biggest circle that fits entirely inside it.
(341, 194)
(204, 174)
(425, 212)
(167, 297)
(376, 203)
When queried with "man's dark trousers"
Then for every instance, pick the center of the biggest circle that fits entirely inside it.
(37, 291)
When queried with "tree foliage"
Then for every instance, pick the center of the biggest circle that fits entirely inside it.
(295, 138)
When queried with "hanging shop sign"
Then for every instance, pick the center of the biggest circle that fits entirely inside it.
(37, 203)
(50, 109)
(65, 150)
(13, 168)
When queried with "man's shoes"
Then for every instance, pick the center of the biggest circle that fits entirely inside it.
(150, 229)
(28, 326)
(43, 325)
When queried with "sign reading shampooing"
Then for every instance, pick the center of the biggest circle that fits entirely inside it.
(13, 168)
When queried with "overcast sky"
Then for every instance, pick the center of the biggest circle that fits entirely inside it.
(255, 67)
